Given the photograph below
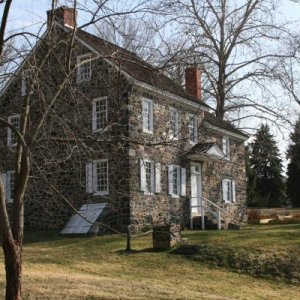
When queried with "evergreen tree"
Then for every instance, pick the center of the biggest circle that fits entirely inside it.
(266, 164)
(252, 197)
(293, 182)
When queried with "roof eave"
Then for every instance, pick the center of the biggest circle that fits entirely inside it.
(17, 71)
(232, 134)
(170, 95)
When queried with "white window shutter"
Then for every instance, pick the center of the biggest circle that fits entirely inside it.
(224, 190)
(183, 182)
(144, 117)
(177, 123)
(233, 191)
(8, 186)
(143, 175)
(89, 178)
(196, 131)
(94, 125)
(151, 116)
(170, 179)
(158, 177)
(3, 176)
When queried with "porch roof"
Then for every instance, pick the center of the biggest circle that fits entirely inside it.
(205, 152)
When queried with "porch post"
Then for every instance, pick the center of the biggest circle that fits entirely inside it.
(202, 214)
(219, 219)
(191, 214)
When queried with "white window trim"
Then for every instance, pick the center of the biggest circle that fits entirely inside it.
(9, 130)
(155, 177)
(226, 143)
(92, 178)
(195, 136)
(94, 129)
(152, 176)
(80, 63)
(146, 130)
(181, 181)
(172, 135)
(232, 190)
(6, 179)
(24, 82)
(100, 193)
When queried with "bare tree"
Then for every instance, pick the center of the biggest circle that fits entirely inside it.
(32, 134)
(237, 44)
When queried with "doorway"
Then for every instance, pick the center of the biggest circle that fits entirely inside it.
(196, 189)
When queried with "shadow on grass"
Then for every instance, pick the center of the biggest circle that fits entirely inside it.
(139, 251)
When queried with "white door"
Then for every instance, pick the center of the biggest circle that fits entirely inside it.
(196, 188)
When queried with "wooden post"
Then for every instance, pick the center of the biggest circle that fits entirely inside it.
(202, 214)
(219, 219)
(128, 244)
(191, 214)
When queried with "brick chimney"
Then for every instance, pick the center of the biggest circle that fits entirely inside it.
(193, 82)
(63, 15)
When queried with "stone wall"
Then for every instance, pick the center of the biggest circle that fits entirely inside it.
(66, 143)
(161, 207)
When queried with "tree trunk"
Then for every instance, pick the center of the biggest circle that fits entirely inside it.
(13, 268)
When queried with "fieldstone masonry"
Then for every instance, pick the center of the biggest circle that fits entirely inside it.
(61, 158)
(166, 236)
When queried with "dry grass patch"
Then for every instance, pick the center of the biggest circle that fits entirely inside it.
(98, 268)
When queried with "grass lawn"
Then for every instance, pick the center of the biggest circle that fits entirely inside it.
(97, 267)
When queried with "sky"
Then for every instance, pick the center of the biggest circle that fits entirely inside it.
(32, 15)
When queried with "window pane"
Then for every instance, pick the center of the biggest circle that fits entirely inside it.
(102, 176)
(147, 115)
(192, 129)
(226, 146)
(174, 122)
(15, 121)
(176, 181)
(100, 114)
(149, 176)
(228, 191)
(10, 185)
(84, 69)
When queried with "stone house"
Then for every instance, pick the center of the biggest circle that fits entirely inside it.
(121, 133)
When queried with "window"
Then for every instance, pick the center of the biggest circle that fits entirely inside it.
(177, 181)
(11, 135)
(226, 147)
(84, 70)
(150, 176)
(228, 189)
(147, 115)
(193, 129)
(174, 123)
(8, 180)
(99, 117)
(97, 177)
(25, 82)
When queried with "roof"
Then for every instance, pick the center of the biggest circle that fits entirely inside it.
(213, 120)
(144, 72)
(205, 151)
(201, 148)
(135, 66)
